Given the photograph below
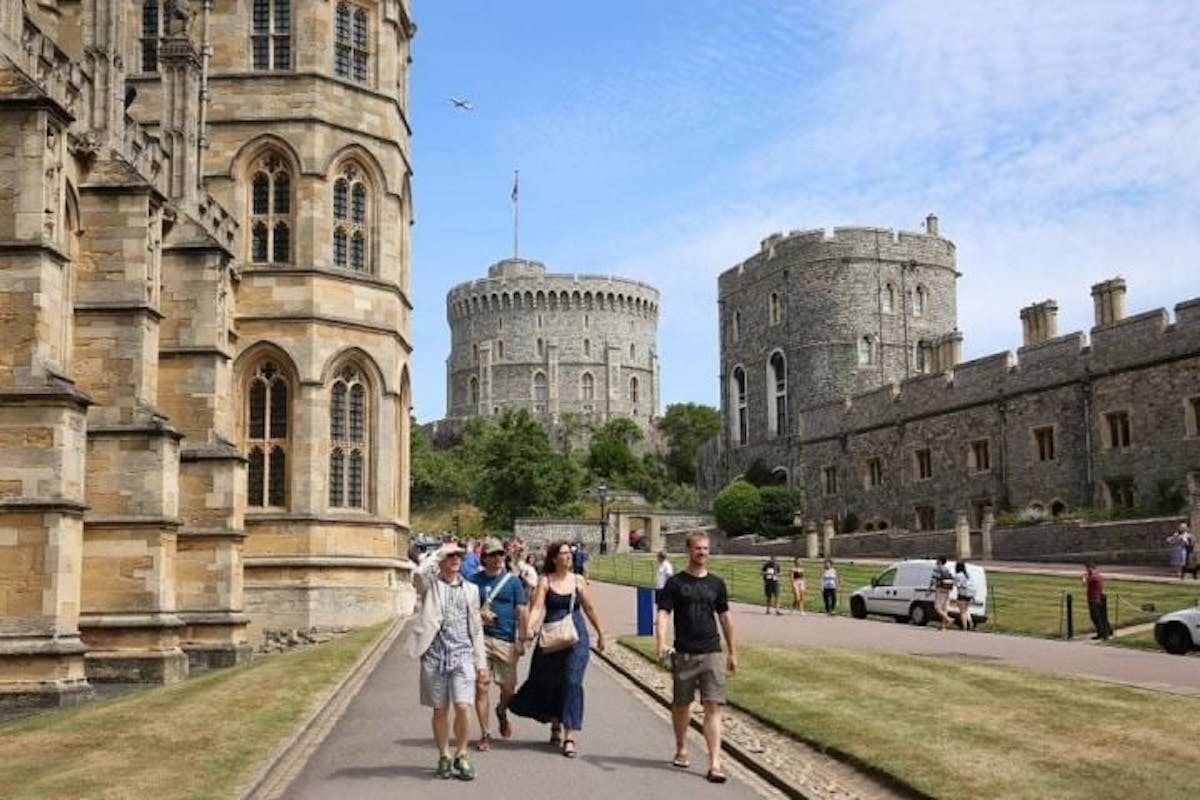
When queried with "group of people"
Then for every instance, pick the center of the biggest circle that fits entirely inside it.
(1183, 552)
(471, 631)
(771, 575)
(942, 582)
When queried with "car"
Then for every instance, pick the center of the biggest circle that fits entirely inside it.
(902, 591)
(1179, 631)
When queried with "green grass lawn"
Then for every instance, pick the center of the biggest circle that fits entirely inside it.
(202, 738)
(960, 729)
(1018, 602)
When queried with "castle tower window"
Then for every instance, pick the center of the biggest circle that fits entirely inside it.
(632, 353)
(1118, 430)
(737, 404)
(348, 440)
(873, 473)
(541, 348)
(633, 391)
(979, 457)
(923, 464)
(267, 438)
(152, 31)
(271, 40)
(924, 518)
(351, 221)
(737, 325)
(1120, 493)
(473, 392)
(923, 356)
(351, 54)
(920, 301)
(774, 309)
(587, 388)
(777, 392)
(587, 348)
(829, 481)
(270, 212)
(540, 392)
(866, 351)
(1191, 416)
(1043, 440)
(475, 355)
(499, 349)
(889, 299)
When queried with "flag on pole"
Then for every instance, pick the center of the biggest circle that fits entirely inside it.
(516, 184)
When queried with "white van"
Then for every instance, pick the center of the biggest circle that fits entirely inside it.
(902, 591)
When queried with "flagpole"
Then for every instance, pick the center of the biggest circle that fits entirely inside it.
(516, 198)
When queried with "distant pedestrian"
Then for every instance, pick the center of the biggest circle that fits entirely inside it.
(526, 567)
(1183, 551)
(1097, 601)
(829, 587)
(505, 614)
(446, 634)
(964, 593)
(770, 576)
(941, 581)
(553, 692)
(699, 601)
(663, 572)
(799, 585)
(579, 559)
(472, 563)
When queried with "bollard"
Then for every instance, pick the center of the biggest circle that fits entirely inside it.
(1070, 619)
(645, 611)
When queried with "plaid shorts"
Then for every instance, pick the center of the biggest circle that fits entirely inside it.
(440, 689)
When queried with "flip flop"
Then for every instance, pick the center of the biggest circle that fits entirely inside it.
(716, 776)
(682, 762)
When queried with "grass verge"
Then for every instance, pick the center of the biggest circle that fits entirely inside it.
(202, 738)
(955, 729)
(1019, 602)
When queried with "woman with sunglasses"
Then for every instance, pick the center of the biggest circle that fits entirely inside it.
(553, 692)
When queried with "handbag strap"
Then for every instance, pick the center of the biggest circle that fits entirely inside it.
(496, 589)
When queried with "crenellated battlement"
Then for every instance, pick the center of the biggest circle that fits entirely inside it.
(517, 284)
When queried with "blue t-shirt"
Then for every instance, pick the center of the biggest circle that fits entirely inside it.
(471, 564)
(504, 604)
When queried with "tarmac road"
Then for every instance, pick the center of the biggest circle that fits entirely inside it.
(1147, 669)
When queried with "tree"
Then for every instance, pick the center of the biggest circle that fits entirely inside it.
(687, 426)
(520, 474)
(439, 476)
(738, 508)
(779, 506)
(610, 454)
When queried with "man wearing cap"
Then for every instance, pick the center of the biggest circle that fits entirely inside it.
(505, 613)
(446, 634)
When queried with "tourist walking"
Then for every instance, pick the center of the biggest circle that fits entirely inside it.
(698, 601)
(799, 585)
(663, 572)
(941, 582)
(1097, 601)
(1183, 551)
(446, 634)
(505, 615)
(964, 593)
(579, 559)
(829, 587)
(770, 575)
(553, 692)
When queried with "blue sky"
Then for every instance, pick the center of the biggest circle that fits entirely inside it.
(661, 140)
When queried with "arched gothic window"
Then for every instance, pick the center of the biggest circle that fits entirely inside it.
(777, 392)
(540, 392)
(632, 353)
(587, 388)
(889, 299)
(921, 299)
(351, 51)
(587, 348)
(270, 212)
(866, 351)
(271, 40)
(349, 440)
(634, 394)
(351, 221)
(473, 392)
(737, 403)
(267, 413)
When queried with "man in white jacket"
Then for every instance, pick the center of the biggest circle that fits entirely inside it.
(446, 633)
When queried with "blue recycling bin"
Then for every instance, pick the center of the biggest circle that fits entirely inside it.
(645, 611)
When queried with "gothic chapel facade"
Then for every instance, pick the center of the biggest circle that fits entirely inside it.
(204, 303)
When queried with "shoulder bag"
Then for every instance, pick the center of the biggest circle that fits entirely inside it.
(561, 634)
(498, 649)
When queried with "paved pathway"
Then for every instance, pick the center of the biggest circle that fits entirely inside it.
(382, 748)
(1148, 669)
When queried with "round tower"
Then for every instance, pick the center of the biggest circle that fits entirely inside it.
(554, 344)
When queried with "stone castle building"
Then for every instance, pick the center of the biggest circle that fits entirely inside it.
(840, 370)
(204, 271)
(557, 345)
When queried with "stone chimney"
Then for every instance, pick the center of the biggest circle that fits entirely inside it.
(1039, 323)
(947, 351)
(1109, 299)
(931, 225)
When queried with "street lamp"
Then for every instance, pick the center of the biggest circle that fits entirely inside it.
(602, 492)
(457, 527)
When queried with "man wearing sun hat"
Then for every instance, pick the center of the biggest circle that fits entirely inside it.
(446, 634)
(505, 613)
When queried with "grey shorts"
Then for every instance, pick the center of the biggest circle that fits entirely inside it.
(703, 671)
(440, 689)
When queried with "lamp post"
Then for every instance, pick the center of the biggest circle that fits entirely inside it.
(457, 527)
(602, 491)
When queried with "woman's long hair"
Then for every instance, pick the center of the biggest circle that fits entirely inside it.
(548, 566)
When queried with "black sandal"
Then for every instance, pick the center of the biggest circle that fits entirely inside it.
(555, 736)
(568, 748)
(716, 776)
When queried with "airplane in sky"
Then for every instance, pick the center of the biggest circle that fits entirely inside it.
(464, 104)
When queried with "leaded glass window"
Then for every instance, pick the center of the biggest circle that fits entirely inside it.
(267, 412)
(349, 440)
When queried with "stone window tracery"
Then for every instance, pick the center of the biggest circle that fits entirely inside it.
(777, 394)
(540, 392)
(348, 439)
(152, 31)
(351, 52)
(267, 412)
(270, 212)
(351, 221)
(271, 39)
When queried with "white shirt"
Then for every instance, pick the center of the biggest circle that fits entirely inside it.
(664, 573)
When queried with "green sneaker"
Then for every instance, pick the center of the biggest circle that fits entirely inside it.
(445, 768)
(463, 770)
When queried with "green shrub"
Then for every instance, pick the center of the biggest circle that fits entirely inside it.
(779, 506)
(738, 509)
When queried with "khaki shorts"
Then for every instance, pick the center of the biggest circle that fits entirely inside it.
(703, 671)
(503, 673)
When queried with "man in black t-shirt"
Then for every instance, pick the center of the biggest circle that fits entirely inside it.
(699, 601)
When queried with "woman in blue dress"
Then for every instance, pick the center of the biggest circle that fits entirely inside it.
(553, 692)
